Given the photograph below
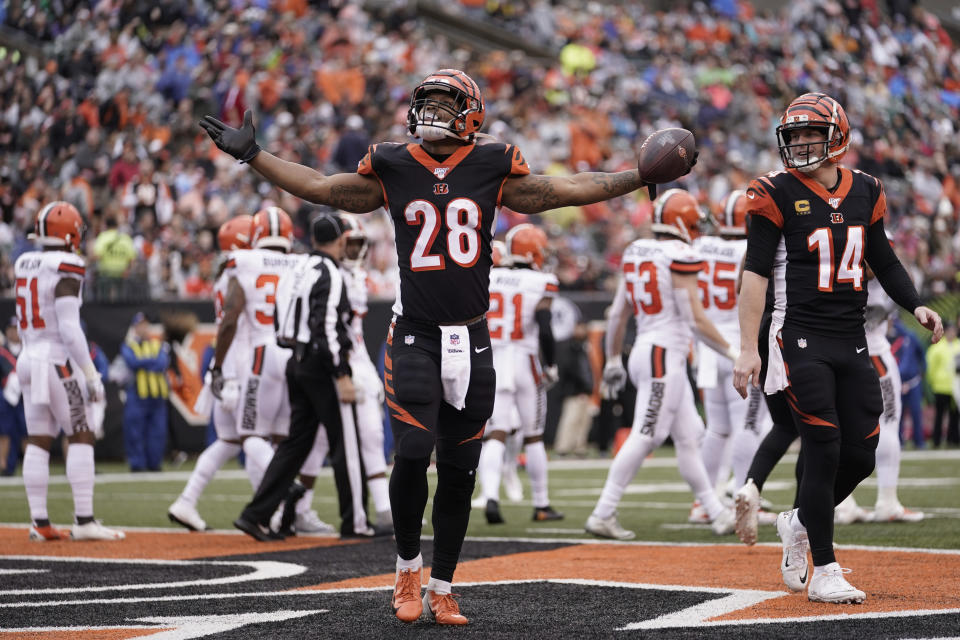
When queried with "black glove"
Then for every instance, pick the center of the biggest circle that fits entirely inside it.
(696, 154)
(240, 143)
(216, 382)
(652, 189)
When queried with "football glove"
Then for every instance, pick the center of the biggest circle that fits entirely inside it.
(240, 143)
(696, 154)
(95, 391)
(551, 375)
(214, 378)
(614, 379)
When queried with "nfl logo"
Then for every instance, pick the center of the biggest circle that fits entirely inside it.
(454, 338)
(441, 172)
(408, 340)
(834, 202)
(802, 343)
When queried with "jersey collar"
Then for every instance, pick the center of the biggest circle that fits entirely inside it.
(830, 197)
(440, 170)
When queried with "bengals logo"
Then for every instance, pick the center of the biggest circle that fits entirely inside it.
(836, 218)
(441, 189)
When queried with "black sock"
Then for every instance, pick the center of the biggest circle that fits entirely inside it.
(770, 451)
(84, 519)
(39, 523)
(451, 515)
(408, 499)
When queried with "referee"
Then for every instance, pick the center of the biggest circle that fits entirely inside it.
(313, 314)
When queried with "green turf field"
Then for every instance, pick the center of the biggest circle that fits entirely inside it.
(655, 505)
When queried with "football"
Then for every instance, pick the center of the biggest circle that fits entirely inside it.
(666, 155)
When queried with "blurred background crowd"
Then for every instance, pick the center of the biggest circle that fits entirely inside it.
(106, 116)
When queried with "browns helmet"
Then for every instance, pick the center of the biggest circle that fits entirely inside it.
(734, 220)
(816, 110)
(357, 243)
(499, 248)
(235, 233)
(271, 227)
(527, 244)
(677, 213)
(58, 224)
(432, 119)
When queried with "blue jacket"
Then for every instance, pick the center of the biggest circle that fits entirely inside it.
(909, 352)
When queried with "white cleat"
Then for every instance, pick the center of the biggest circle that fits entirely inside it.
(480, 502)
(848, 512)
(895, 513)
(608, 528)
(793, 565)
(725, 523)
(830, 586)
(747, 500)
(512, 486)
(310, 522)
(698, 515)
(766, 517)
(186, 514)
(94, 530)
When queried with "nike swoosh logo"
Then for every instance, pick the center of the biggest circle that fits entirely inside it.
(803, 578)
(751, 196)
(476, 350)
(861, 349)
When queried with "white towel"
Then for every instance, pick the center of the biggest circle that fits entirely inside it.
(706, 367)
(40, 381)
(11, 392)
(455, 364)
(776, 371)
(204, 402)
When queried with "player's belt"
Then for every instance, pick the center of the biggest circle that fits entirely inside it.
(433, 324)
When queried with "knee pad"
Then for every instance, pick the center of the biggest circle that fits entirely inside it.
(481, 394)
(413, 442)
(416, 379)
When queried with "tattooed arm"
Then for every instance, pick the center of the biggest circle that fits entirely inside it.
(348, 191)
(535, 193)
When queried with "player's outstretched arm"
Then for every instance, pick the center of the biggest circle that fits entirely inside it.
(535, 193)
(348, 191)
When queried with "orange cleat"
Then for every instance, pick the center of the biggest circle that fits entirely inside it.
(444, 608)
(406, 595)
(44, 534)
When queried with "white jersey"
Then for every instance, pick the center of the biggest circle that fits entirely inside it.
(879, 308)
(37, 274)
(258, 272)
(514, 296)
(647, 284)
(355, 280)
(718, 282)
(242, 336)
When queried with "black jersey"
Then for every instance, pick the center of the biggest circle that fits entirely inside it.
(824, 235)
(443, 215)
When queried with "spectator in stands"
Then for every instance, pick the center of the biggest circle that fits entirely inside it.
(942, 359)
(145, 409)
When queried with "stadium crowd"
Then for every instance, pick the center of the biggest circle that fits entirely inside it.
(107, 119)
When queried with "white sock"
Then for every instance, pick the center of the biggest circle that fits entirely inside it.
(624, 466)
(413, 565)
(258, 455)
(80, 476)
(833, 566)
(712, 451)
(744, 446)
(795, 522)
(380, 493)
(690, 465)
(438, 586)
(537, 470)
(36, 477)
(490, 468)
(209, 462)
(305, 502)
(887, 495)
(888, 455)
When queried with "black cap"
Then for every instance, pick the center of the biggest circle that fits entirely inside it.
(326, 227)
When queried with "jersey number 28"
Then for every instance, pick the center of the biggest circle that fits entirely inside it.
(462, 219)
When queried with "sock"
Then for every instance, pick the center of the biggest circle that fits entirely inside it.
(438, 586)
(408, 499)
(259, 453)
(413, 565)
(827, 568)
(209, 462)
(624, 466)
(743, 447)
(36, 477)
(712, 451)
(887, 495)
(379, 489)
(80, 476)
(491, 466)
(537, 470)
(305, 502)
(690, 465)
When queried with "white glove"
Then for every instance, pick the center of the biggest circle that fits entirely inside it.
(614, 379)
(95, 391)
(551, 375)
(230, 394)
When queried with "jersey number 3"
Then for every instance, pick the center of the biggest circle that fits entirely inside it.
(462, 218)
(850, 268)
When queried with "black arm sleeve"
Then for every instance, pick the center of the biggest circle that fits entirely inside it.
(547, 343)
(761, 246)
(889, 270)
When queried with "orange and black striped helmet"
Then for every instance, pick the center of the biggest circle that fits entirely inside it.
(813, 110)
(461, 120)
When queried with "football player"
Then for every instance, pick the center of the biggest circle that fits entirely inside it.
(252, 280)
(442, 193)
(732, 423)
(659, 289)
(57, 376)
(523, 355)
(233, 236)
(828, 220)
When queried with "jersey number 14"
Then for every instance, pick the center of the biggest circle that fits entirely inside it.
(850, 268)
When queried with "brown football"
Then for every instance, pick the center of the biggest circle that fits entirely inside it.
(666, 155)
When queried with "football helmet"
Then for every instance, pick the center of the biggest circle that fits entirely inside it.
(817, 110)
(271, 228)
(432, 119)
(734, 221)
(499, 249)
(677, 213)
(235, 233)
(58, 224)
(357, 244)
(527, 244)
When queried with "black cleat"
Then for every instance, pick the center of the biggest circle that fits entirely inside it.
(492, 511)
(542, 514)
(289, 517)
(256, 531)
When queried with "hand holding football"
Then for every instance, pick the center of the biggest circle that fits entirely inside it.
(666, 155)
